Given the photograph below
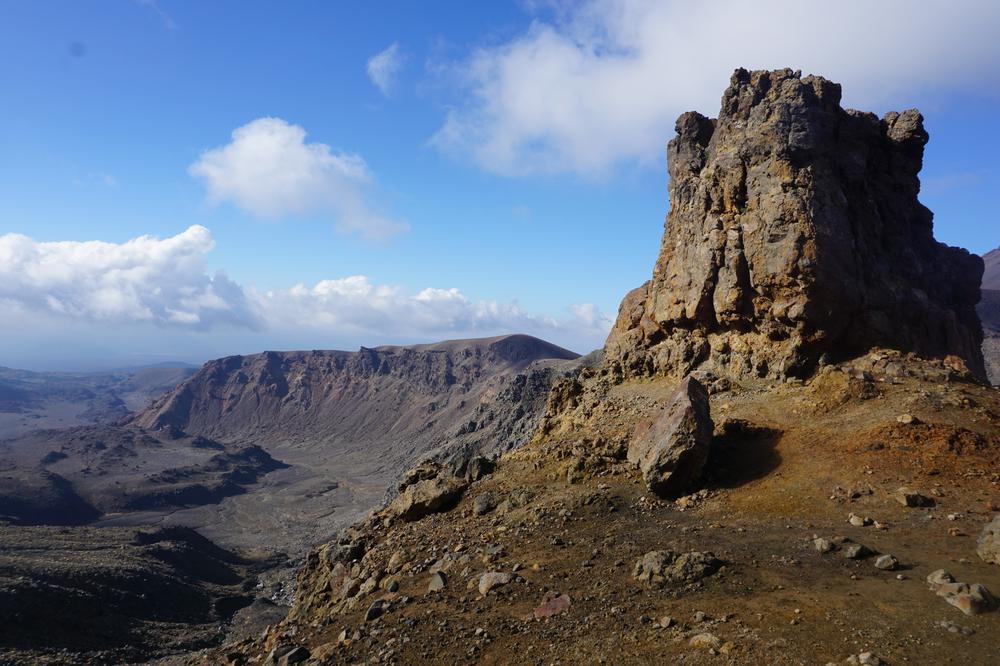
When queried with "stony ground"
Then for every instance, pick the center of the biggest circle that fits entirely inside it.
(790, 463)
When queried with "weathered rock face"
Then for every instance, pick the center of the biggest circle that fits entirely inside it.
(795, 232)
(671, 451)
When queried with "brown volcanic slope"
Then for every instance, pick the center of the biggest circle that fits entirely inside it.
(989, 314)
(348, 423)
(802, 440)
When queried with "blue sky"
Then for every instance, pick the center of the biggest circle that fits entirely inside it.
(502, 170)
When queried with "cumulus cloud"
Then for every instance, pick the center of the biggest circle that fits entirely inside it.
(146, 279)
(166, 283)
(603, 81)
(356, 305)
(384, 66)
(270, 171)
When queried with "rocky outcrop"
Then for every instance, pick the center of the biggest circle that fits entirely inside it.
(795, 235)
(422, 495)
(671, 451)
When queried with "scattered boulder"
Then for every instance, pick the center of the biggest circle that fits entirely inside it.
(857, 551)
(971, 599)
(705, 641)
(493, 579)
(672, 450)
(665, 567)
(859, 521)
(988, 545)
(485, 502)
(886, 562)
(296, 655)
(437, 582)
(552, 605)
(911, 498)
(824, 546)
(427, 496)
(376, 610)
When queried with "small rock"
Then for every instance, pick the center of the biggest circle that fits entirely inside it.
(437, 582)
(484, 503)
(988, 544)
(705, 640)
(911, 498)
(970, 599)
(663, 567)
(375, 610)
(296, 655)
(865, 659)
(858, 521)
(666, 622)
(907, 419)
(939, 577)
(886, 562)
(553, 606)
(953, 628)
(492, 579)
(856, 551)
(824, 545)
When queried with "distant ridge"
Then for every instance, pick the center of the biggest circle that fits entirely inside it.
(350, 422)
(991, 276)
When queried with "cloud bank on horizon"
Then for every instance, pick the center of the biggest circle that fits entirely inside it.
(166, 283)
(602, 82)
(270, 171)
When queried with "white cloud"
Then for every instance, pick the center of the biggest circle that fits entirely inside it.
(165, 283)
(384, 66)
(356, 305)
(604, 81)
(270, 171)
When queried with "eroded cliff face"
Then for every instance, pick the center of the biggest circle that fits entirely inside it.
(794, 234)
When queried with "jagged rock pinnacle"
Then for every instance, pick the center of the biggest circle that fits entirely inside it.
(795, 232)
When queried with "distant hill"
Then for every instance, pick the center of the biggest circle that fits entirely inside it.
(989, 314)
(32, 400)
(991, 276)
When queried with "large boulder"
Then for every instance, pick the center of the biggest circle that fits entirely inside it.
(671, 450)
(427, 496)
(795, 233)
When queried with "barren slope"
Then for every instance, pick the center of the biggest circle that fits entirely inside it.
(789, 462)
